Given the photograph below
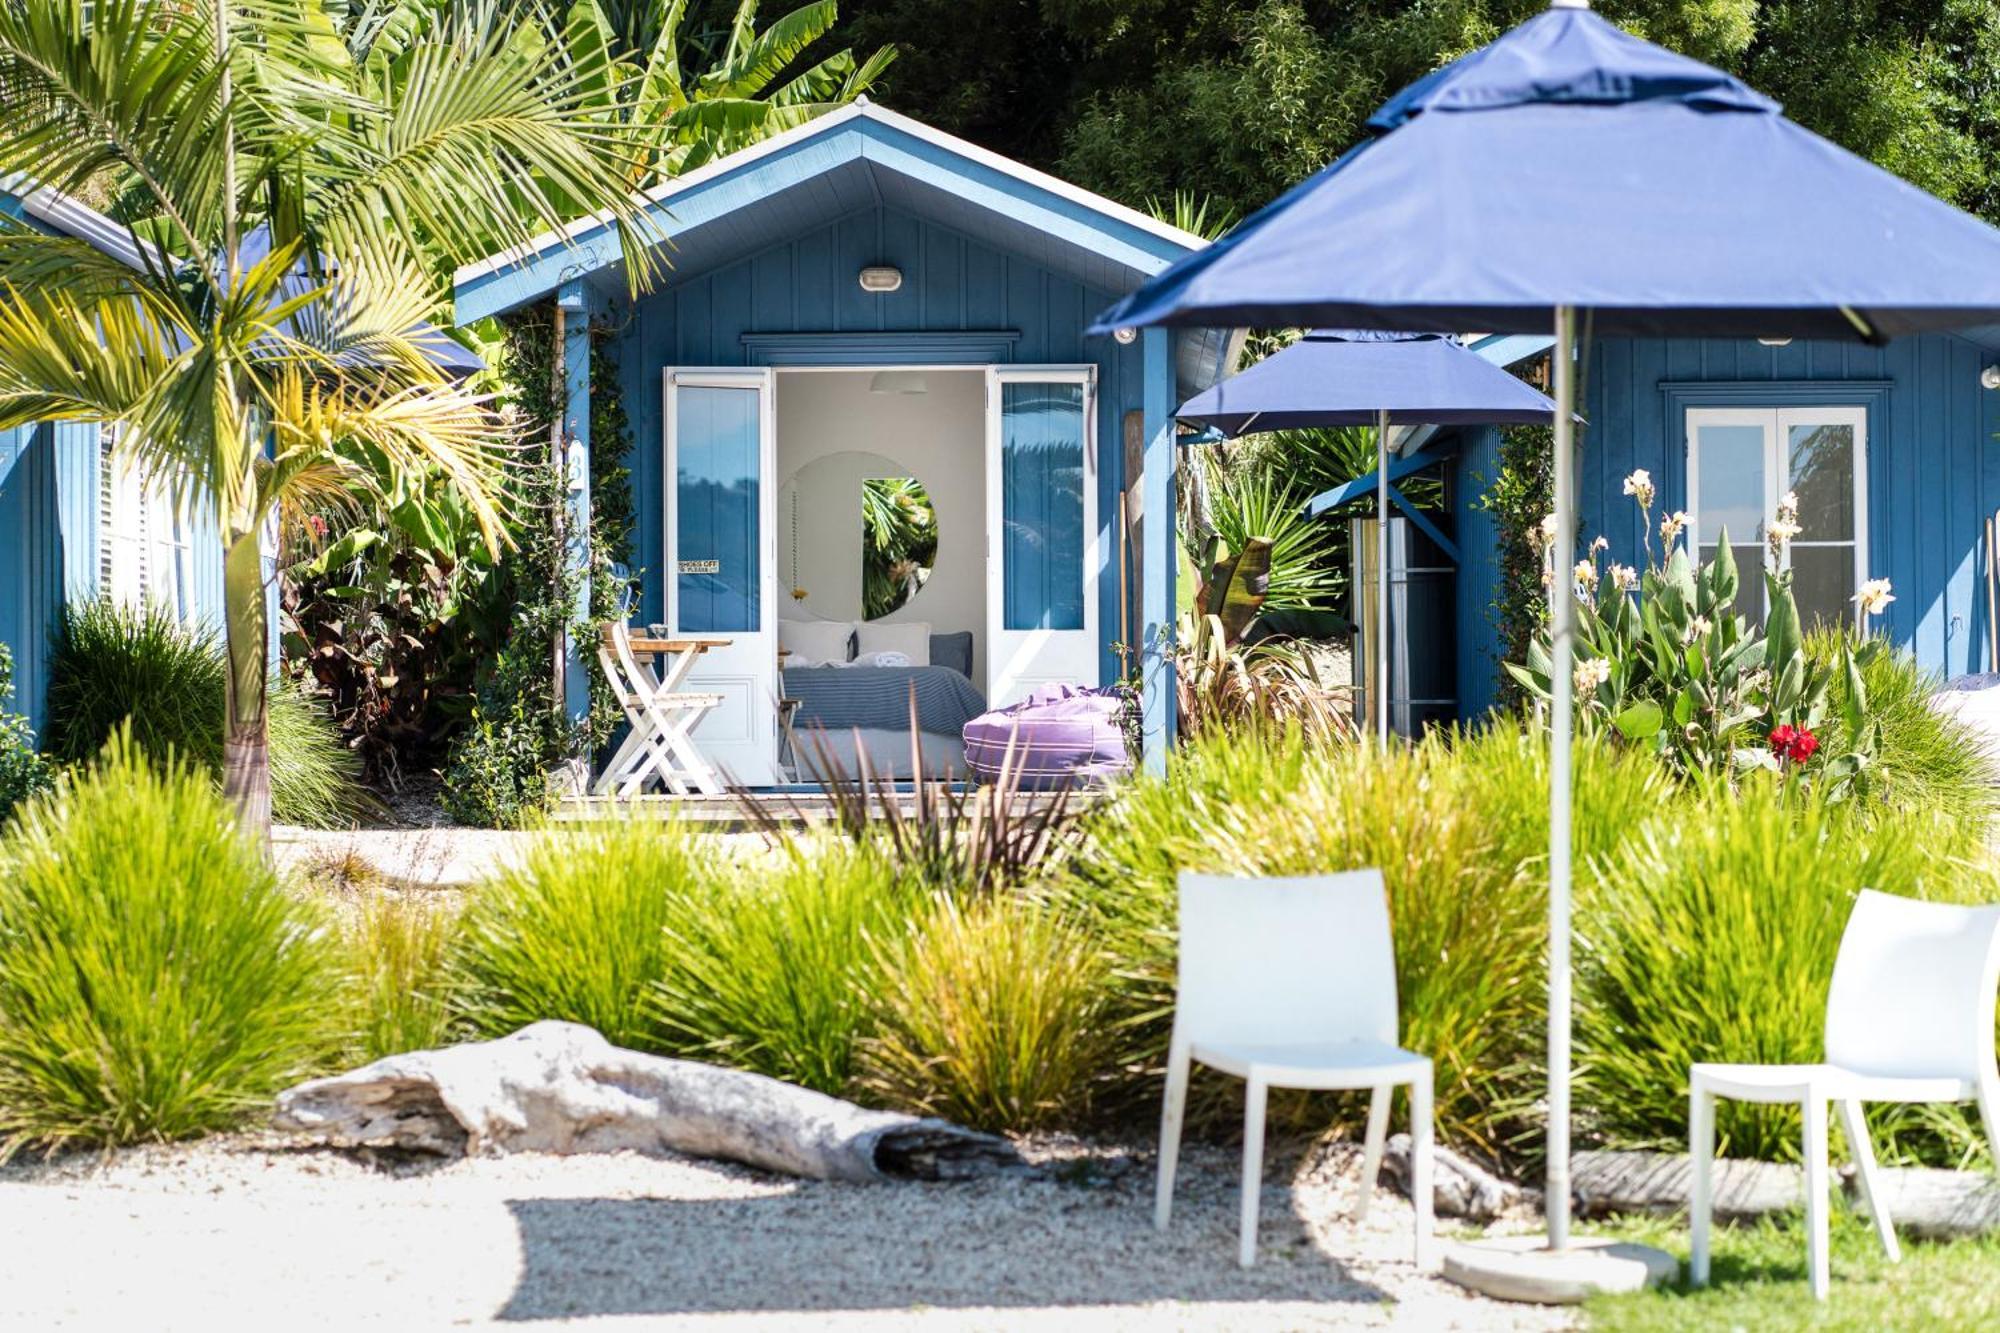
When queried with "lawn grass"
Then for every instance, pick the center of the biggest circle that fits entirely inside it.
(1758, 1282)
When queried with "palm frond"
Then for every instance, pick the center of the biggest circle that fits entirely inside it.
(62, 359)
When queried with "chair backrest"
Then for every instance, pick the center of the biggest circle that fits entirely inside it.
(1281, 961)
(1913, 989)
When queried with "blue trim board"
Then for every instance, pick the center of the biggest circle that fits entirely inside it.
(1160, 561)
(1677, 396)
(1424, 525)
(1399, 468)
(574, 301)
(976, 347)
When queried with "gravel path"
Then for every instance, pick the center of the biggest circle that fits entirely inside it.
(227, 1235)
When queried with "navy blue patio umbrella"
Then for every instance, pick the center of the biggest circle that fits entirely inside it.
(1571, 168)
(1364, 377)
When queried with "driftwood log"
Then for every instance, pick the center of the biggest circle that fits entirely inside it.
(1460, 1187)
(1924, 1201)
(562, 1088)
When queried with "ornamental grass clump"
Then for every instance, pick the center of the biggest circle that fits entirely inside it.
(156, 981)
(576, 930)
(396, 958)
(772, 965)
(990, 1013)
(1711, 936)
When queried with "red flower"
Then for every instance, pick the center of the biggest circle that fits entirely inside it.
(1793, 743)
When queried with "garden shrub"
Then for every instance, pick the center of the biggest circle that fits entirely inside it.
(771, 967)
(23, 770)
(396, 977)
(575, 931)
(115, 665)
(156, 981)
(1459, 828)
(991, 1014)
(1711, 936)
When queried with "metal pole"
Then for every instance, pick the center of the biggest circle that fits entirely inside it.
(1562, 629)
(1382, 577)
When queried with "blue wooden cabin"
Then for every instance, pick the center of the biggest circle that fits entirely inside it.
(864, 298)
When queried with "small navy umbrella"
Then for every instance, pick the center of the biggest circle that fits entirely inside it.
(1362, 377)
(1570, 167)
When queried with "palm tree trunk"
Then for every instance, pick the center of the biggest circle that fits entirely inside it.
(246, 753)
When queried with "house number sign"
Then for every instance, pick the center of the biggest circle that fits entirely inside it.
(701, 566)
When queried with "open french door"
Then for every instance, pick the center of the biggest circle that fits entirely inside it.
(722, 557)
(1042, 552)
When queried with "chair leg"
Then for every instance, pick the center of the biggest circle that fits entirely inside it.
(1371, 1149)
(1817, 1240)
(1701, 1154)
(1989, 1115)
(1253, 1168)
(1421, 1114)
(1172, 1109)
(1855, 1126)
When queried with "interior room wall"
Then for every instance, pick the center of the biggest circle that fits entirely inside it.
(938, 437)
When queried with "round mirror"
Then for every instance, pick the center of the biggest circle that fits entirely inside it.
(857, 536)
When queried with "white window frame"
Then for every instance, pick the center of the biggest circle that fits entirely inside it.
(1776, 424)
(145, 545)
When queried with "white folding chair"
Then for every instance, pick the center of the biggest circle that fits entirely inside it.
(1291, 983)
(658, 745)
(1909, 1018)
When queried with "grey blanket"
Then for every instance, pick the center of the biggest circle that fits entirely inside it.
(841, 698)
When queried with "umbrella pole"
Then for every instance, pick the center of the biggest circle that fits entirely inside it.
(1382, 577)
(1562, 630)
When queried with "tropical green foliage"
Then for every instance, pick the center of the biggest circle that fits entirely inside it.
(1926, 762)
(575, 931)
(156, 981)
(898, 542)
(23, 770)
(115, 665)
(297, 178)
(1226, 685)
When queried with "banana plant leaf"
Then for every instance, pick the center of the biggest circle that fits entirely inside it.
(1237, 586)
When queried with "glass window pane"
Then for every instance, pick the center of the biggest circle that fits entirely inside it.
(1730, 474)
(1822, 474)
(1042, 428)
(716, 507)
(1823, 585)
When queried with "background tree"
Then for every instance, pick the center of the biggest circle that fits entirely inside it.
(294, 186)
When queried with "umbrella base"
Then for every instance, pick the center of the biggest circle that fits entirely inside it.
(1522, 1268)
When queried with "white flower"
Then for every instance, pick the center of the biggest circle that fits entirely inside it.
(1625, 578)
(1788, 506)
(1586, 573)
(1780, 532)
(1543, 536)
(1698, 628)
(1874, 597)
(1599, 544)
(1671, 526)
(1640, 487)
(1590, 673)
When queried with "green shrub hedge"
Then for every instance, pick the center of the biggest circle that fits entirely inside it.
(156, 981)
(114, 665)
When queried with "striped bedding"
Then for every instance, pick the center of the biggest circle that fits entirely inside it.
(841, 698)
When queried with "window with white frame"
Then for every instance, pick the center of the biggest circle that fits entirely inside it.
(143, 555)
(1742, 460)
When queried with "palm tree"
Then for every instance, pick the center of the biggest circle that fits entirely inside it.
(297, 174)
(679, 119)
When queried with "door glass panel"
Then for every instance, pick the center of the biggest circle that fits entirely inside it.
(716, 486)
(1730, 475)
(1822, 475)
(1042, 467)
(1823, 585)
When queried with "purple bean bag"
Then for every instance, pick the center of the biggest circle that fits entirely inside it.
(1061, 735)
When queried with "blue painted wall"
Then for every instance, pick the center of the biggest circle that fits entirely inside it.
(48, 528)
(1933, 469)
(806, 284)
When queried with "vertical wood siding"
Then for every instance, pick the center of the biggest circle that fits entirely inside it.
(807, 284)
(1933, 469)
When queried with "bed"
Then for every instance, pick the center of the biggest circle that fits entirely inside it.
(847, 711)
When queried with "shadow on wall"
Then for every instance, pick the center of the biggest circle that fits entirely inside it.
(1056, 1240)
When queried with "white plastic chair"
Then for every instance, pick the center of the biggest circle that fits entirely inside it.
(1909, 1018)
(1291, 983)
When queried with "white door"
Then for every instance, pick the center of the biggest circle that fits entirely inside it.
(1042, 551)
(722, 558)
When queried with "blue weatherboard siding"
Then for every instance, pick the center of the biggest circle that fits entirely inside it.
(1933, 465)
(1019, 312)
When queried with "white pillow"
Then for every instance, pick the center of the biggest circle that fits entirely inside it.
(816, 640)
(887, 659)
(911, 638)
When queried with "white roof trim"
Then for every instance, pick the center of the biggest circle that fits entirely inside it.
(859, 109)
(72, 218)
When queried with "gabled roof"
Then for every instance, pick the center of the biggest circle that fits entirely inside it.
(62, 214)
(854, 158)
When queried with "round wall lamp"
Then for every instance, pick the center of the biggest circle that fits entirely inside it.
(1774, 342)
(1125, 337)
(879, 278)
(1989, 378)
